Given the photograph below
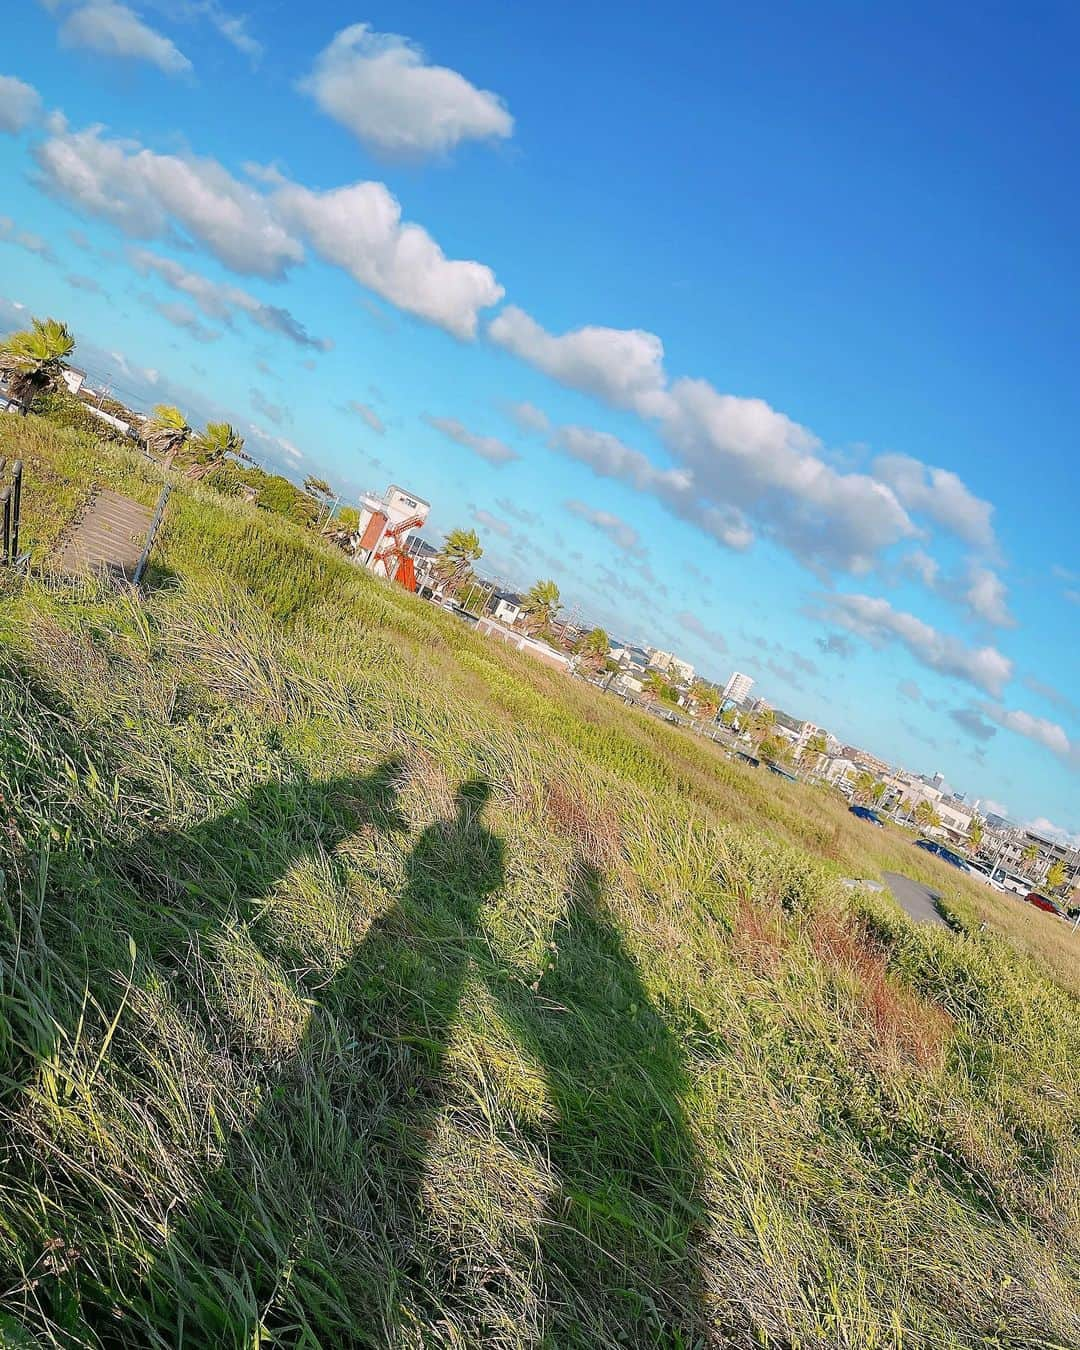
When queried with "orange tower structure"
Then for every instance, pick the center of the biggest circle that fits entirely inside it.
(396, 562)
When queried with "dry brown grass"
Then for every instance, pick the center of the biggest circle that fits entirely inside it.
(903, 1026)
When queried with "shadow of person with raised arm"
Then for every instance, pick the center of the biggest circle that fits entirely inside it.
(142, 923)
(310, 1231)
(621, 1237)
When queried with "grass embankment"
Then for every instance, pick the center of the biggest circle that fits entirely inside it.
(367, 984)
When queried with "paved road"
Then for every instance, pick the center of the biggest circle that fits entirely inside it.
(915, 899)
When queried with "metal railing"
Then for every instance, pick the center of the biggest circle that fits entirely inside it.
(10, 513)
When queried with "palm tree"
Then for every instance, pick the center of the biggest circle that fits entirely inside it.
(213, 447)
(593, 649)
(165, 433)
(1055, 875)
(864, 785)
(31, 361)
(975, 833)
(705, 696)
(1029, 855)
(321, 493)
(814, 748)
(926, 815)
(775, 748)
(542, 601)
(453, 565)
(761, 725)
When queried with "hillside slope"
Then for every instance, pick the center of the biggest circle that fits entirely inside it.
(367, 984)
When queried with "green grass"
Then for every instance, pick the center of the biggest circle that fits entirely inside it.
(365, 983)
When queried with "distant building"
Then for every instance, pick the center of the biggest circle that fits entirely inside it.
(839, 771)
(73, 378)
(509, 607)
(865, 760)
(630, 657)
(420, 549)
(380, 514)
(660, 660)
(737, 689)
(681, 671)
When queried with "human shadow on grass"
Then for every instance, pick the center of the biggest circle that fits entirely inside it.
(155, 911)
(620, 1242)
(312, 1228)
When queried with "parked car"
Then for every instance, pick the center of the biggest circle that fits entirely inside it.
(864, 813)
(945, 854)
(781, 771)
(986, 873)
(1041, 902)
(747, 759)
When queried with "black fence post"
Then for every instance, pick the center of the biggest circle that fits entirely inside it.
(16, 508)
(5, 538)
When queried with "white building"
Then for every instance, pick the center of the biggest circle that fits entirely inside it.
(737, 689)
(839, 771)
(380, 514)
(508, 607)
(73, 378)
(681, 671)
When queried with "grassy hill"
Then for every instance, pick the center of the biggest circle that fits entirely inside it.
(364, 983)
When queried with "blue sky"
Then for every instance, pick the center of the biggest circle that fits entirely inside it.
(758, 333)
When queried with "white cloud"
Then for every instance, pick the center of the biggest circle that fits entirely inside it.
(489, 522)
(487, 447)
(20, 104)
(150, 196)
(218, 300)
(989, 807)
(109, 28)
(749, 464)
(369, 415)
(875, 620)
(986, 597)
(749, 456)
(1041, 730)
(25, 239)
(180, 316)
(277, 413)
(921, 565)
(750, 459)
(1052, 695)
(971, 721)
(79, 282)
(516, 512)
(232, 27)
(359, 228)
(978, 589)
(621, 533)
(529, 418)
(622, 367)
(941, 495)
(693, 624)
(380, 87)
(1048, 830)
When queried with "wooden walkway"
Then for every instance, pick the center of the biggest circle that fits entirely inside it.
(108, 538)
